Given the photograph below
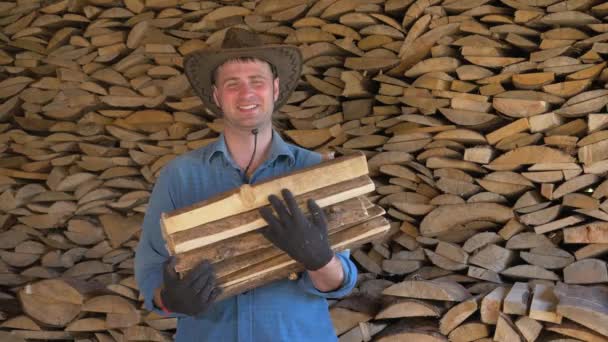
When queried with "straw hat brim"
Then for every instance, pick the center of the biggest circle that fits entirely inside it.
(200, 65)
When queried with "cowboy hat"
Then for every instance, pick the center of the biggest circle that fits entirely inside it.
(201, 64)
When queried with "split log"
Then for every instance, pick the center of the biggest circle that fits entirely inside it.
(428, 290)
(252, 197)
(584, 305)
(282, 265)
(544, 304)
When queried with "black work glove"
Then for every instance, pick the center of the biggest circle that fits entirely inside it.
(191, 295)
(302, 239)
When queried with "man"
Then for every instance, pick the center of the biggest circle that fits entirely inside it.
(244, 82)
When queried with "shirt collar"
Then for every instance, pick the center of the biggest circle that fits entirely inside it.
(278, 148)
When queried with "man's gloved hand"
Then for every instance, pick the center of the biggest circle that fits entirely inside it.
(302, 239)
(191, 295)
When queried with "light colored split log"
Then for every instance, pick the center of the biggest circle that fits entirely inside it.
(252, 197)
(493, 62)
(596, 168)
(87, 324)
(530, 199)
(367, 141)
(592, 153)
(586, 305)
(411, 329)
(20, 322)
(446, 64)
(442, 218)
(576, 331)
(575, 184)
(410, 203)
(591, 250)
(596, 122)
(46, 335)
(529, 272)
(480, 240)
(480, 154)
(108, 304)
(544, 304)
(468, 117)
(457, 314)
(593, 232)
(506, 331)
(554, 166)
(491, 305)
(364, 331)
(120, 229)
(394, 266)
(426, 289)
(548, 257)
(493, 257)
(310, 138)
(520, 108)
(143, 333)
(443, 262)
(545, 122)
(567, 89)
(416, 255)
(584, 103)
(505, 183)
(452, 251)
(516, 301)
(469, 331)
(594, 213)
(409, 308)
(533, 155)
(541, 216)
(420, 47)
(533, 80)
(370, 261)
(529, 328)
(561, 223)
(385, 158)
(456, 187)
(53, 302)
(587, 271)
(344, 319)
(461, 135)
(440, 162)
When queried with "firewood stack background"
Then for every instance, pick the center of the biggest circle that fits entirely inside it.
(484, 124)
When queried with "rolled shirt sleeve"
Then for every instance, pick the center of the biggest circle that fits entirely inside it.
(350, 279)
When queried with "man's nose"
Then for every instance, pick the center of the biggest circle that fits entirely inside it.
(245, 89)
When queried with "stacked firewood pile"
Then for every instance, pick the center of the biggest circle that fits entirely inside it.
(483, 122)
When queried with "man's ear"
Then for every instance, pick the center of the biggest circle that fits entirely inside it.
(215, 99)
(276, 89)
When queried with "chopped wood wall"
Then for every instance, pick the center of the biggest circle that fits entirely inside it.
(484, 123)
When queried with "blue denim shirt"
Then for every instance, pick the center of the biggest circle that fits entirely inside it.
(285, 310)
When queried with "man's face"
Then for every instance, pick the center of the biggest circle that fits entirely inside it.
(246, 92)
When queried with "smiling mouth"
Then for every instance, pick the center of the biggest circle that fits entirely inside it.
(249, 107)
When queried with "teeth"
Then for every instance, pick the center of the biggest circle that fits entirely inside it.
(248, 107)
